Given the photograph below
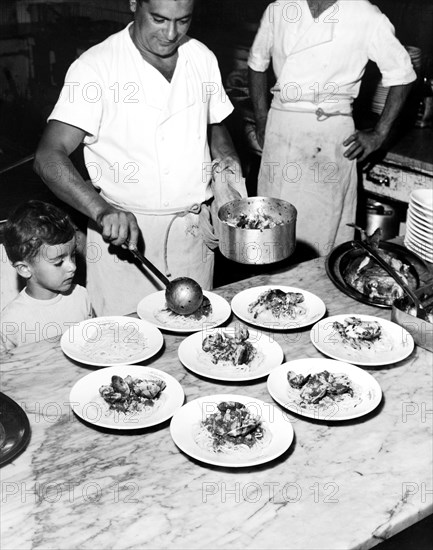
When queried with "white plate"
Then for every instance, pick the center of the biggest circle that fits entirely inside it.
(422, 212)
(111, 340)
(87, 403)
(367, 390)
(419, 231)
(186, 421)
(418, 220)
(315, 309)
(151, 309)
(423, 198)
(419, 250)
(420, 241)
(395, 345)
(269, 355)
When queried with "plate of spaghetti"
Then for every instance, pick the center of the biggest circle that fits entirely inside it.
(212, 313)
(231, 430)
(126, 397)
(278, 307)
(111, 340)
(233, 353)
(324, 389)
(362, 339)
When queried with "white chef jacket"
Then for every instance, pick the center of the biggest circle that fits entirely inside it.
(320, 62)
(146, 142)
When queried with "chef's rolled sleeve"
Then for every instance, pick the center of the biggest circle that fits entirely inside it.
(80, 103)
(390, 56)
(260, 53)
(219, 105)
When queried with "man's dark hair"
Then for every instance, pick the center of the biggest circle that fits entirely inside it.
(33, 224)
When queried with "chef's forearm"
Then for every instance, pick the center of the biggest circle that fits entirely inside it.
(221, 143)
(258, 86)
(59, 173)
(395, 100)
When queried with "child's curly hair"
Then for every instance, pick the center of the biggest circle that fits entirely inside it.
(33, 224)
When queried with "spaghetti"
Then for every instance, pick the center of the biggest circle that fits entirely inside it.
(232, 430)
(112, 341)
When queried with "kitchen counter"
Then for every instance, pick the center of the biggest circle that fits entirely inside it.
(340, 485)
(404, 168)
(414, 151)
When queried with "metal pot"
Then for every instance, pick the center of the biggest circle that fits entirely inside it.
(257, 246)
(383, 216)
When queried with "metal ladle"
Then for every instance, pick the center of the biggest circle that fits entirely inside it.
(186, 306)
(140, 257)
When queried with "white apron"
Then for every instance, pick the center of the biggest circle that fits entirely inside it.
(303, 163)
(116, 283)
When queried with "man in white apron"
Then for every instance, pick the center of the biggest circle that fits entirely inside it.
(319, 51)
(143, 102)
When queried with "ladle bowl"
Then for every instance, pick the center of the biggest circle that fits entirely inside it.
(183, 295)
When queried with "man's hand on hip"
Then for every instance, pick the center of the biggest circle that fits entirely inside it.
(362, 143)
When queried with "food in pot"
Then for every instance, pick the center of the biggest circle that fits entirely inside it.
(184, 296)
(368, 278)
(254, 221)
(411, 310)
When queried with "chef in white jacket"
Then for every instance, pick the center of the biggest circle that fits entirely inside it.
(319, 50)
(148, 104)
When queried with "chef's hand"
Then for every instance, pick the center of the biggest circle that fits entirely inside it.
(226, 180)
(362, 143)
(118, 227)
(260, 131)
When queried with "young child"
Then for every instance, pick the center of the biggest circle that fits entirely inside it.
(40, 242)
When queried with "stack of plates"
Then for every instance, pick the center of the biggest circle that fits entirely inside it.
(415, 56)
(381, 93)
(419, 224)
(379, 98)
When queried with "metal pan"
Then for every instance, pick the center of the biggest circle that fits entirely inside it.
(341, 257)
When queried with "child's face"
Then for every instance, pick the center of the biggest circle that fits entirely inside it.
(52, 270)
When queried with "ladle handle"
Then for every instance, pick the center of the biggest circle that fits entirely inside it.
(164, 280)
(371, 252)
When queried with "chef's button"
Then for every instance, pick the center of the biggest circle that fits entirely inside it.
(165, 203)
(166, 171)
(162, 138)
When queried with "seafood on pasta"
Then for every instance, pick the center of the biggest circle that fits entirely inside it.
(232, 429)
(362, 335)
(322, 389)
(277, 304)
(169, 317)
(224, 351)
(131, 395)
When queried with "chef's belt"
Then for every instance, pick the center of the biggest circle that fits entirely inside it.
(200, 209)
(308, 107)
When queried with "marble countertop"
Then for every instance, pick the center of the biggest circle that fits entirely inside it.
(340, 485)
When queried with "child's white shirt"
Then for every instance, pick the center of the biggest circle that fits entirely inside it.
(27, 320)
